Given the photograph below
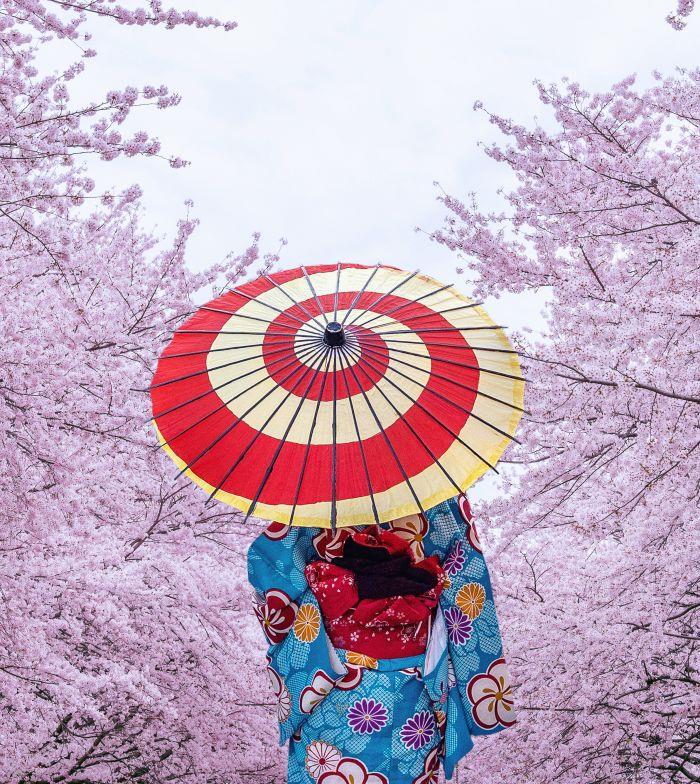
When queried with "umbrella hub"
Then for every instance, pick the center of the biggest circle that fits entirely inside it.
(334, 334)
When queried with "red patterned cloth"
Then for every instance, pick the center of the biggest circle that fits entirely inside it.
(383, 628)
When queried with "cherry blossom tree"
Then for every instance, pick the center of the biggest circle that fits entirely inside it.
(595, 539)
(678, 20)
(127, 648)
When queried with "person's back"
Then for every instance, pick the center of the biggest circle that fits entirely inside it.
(385, 654)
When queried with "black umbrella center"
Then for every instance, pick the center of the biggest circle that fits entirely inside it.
(334, 334)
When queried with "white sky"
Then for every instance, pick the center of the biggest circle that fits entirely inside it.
(327, 122)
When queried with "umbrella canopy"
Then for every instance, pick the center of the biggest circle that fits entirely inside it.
(337, 395)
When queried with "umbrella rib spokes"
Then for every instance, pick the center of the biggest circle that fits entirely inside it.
(225, 403)
(460, 346)
(229, 348)
(312, 429)
(261, 429)
(381, 297)
(302, 353)
(435, 374)
(456, 436)
(447, 400)
(386, 437)
(218, 367)
(337, 291)
(359, 294)
(424, 330)
(453, 361)
(250, 317)
(334, 436)
(431, 454)
(285, 313)
(403, 305)
(239, 419)
(395, 343)
(301, 307)
(321, 311)
(431, 314)
(283, 440)
(360, 442)
(242, 332)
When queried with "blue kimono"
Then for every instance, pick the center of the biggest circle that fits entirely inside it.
(352, 719)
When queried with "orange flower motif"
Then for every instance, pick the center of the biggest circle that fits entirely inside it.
(470, 599)
(360, 660)
(307, 623)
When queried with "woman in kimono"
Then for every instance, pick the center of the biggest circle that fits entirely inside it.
(385, 654)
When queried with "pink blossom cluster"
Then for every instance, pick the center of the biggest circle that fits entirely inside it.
(66, 18)
(596, 561)
(684, 9)
(127, 647)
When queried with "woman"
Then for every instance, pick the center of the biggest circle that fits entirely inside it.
(385, 653)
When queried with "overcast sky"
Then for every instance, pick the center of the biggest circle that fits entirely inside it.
(327, 122)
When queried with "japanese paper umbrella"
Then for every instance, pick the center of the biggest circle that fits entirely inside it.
(337, 395)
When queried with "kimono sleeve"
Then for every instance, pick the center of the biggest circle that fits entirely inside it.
(301, 663)
(478, 667)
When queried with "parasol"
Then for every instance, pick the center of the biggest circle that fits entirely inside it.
(337, 395)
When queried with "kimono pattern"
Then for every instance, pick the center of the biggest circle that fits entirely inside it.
(351, 719)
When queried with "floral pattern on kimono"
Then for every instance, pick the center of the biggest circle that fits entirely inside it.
(350, 718)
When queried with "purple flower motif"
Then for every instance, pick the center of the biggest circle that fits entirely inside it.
(459, 626)
(455, 560)
(418, 730)
(367, 716)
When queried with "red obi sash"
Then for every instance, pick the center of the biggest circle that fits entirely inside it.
(375, 598)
